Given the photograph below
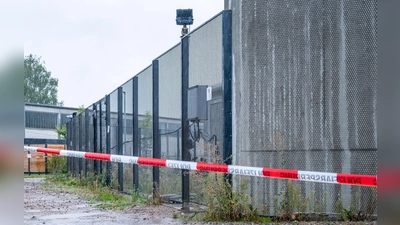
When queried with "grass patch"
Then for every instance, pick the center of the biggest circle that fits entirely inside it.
(36, 175)
(224, 202)
(94, 189)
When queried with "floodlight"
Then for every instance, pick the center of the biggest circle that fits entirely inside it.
(184, 17)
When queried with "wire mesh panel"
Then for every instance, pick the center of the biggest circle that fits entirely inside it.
(90, 142)
(75, 161)
(205, 53)
(305, 95)
(205, 68)
(170, 117)
(127, 107)
(83, 146)
(81, 140)
(97, 132)
(145, 108)
(102, 133)
(113, 130)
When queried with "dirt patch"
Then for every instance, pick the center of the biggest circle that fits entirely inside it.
(45, 203)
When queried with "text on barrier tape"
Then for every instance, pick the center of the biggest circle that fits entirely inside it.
(323, 177)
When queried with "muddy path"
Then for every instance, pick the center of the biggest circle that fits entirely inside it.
(47, 203)
(44, 204)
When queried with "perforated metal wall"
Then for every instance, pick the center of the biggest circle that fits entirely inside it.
(304, 93)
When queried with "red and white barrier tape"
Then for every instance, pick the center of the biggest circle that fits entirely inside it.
(333, 178)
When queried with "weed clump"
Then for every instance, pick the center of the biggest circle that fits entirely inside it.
(224, 202)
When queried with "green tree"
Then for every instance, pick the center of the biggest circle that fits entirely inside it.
(146, 131)
(81, 109)
(62, 131)
(39, 86)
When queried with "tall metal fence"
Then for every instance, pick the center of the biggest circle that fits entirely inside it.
(293, 87)
(143, 117)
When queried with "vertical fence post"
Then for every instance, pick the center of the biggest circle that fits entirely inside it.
(178, 154)
(94, 116)
(80, 144)
(73, 141)
(120, 139)
(101, 134)
(87, 141)
(135, 131)
(69, 143)
(156, 130)
(74, 160)
(227, 87)
(45, 160)
(184, 121)
(140, 141)
(29, 161)
(67, 139)
(108, 140)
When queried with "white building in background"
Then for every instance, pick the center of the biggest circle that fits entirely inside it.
(41, 120)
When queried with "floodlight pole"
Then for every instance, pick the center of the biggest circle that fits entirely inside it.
(185, 122)
(185, 17)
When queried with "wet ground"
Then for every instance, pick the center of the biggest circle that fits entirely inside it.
(45, 205)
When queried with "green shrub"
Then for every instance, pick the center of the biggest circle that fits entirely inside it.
(57, 164)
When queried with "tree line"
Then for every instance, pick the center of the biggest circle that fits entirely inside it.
(39, 86)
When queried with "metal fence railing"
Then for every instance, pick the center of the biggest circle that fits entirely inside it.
(293, 87)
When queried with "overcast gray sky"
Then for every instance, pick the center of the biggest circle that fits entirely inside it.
(92, 47)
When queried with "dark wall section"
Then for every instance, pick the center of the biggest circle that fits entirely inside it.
(304, 89)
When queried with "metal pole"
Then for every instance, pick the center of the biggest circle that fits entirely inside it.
(108, 139)
(135, 127)
(29, 162)
(227, 87)
(140, 142)
(95, 136)
(124, 148)
(120, 139)
(86, 139)
(75, 127)
(185, 122)
(156, 129)
(80, 144)
(45, 160)
(101, 134)
(178, 155)
(73, 143)
(68, 141)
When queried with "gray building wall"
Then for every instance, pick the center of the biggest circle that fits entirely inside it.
(41, 120)
(304, 93)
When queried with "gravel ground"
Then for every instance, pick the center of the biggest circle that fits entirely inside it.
(55, 206)
(43, 206)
